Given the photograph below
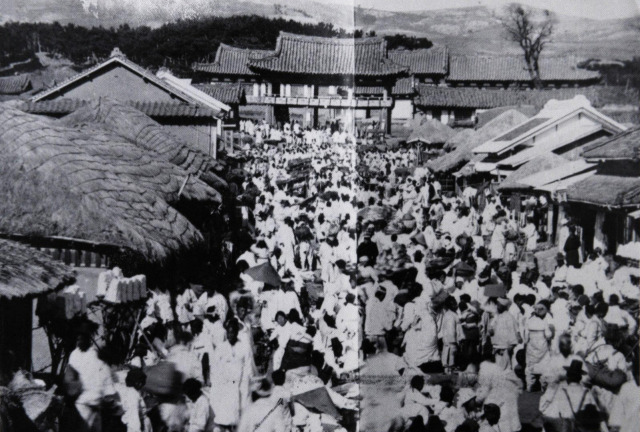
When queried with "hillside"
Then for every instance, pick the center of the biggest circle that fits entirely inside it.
(474, 30)
(477, 30)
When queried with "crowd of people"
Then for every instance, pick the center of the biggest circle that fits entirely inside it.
(362, 264)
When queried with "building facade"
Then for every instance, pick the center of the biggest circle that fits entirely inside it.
(192, 118)
(311, 79)
(315, 79)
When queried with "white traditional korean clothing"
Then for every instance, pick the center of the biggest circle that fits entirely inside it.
(501, 387)
(230, 375)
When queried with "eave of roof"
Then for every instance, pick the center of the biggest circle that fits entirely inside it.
(152, 109)
(229, 93)
(186, 87)
(464, 68)
(231, 60)
(425, 61)
(607, 124)
(123, 62)
(623, 146)
(312, 55)
(606, 190)
(14, 85)
(27, 272)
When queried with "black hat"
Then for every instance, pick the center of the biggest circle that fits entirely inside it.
(576, 367)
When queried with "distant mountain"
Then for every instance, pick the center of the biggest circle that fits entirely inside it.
(107, 13)
(473, 30)
(477, 30)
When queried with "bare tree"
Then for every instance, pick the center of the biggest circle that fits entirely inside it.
(532, 31)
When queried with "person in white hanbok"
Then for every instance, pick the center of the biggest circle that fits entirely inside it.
(498, 239)
(231, 372)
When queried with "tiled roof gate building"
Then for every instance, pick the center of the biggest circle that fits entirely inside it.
(314, 79)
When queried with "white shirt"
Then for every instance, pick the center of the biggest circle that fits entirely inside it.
(421, 343)
(201, 416)
(94, 375)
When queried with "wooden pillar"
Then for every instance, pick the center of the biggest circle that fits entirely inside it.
(315, 117)
(386, 116)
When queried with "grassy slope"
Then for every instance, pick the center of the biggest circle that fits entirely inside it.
(467, 30)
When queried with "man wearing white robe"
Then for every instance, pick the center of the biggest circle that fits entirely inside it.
(230, 374)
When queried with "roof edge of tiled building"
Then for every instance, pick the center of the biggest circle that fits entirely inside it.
(317, 55)
(369, 56)
(65, 106)
(229, 93)
(423, 61)
(231, 60)
(15, 85)
(467, 68)
(474, 98)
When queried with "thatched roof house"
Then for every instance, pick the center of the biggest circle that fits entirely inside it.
(431, 132)
(606, 190)
(55, 187)
(131, 124)
(460, 137)
(463, 152)
(170, 181)
(623, 146)
(26, 272)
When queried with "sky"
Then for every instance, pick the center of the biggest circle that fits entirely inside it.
(46, 10)
(595, 9)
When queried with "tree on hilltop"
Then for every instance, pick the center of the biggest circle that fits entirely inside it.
(532, 31)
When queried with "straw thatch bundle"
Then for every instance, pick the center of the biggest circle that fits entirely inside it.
(459, 138)
(52, 187)
(431, 132)
(144, 132)
(543, 162)
(142, 166)
(26, 272)
(606, 190)
(463, 152)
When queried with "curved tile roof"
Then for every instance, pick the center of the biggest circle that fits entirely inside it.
(231, 61)
(431, 61)
(14, 85)
(229, 93)
(512, 68)
(435, 96)
(313, 55)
